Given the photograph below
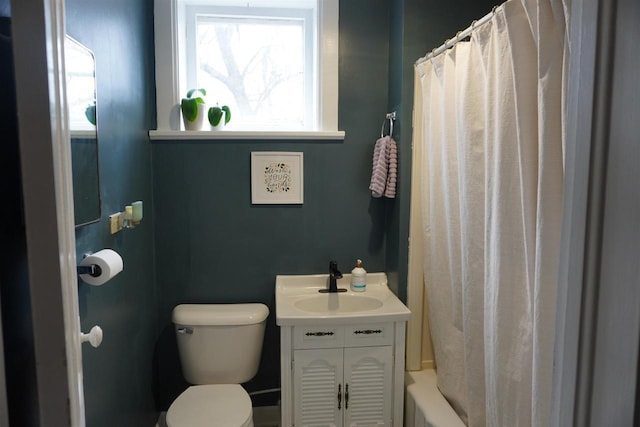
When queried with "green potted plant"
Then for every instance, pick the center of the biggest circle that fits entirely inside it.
(219, 117)
(90, 112)
(193, 109)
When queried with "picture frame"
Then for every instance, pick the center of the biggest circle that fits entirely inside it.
(277, 177)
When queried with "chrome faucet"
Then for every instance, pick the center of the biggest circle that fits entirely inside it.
(334, 275)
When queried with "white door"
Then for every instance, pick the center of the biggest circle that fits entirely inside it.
(367, 385)
(48, 209)
(318, 396)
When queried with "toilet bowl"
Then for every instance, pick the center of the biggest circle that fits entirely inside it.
(216, 405)
(219, 347)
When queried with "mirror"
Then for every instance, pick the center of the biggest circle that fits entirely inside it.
(82, 104)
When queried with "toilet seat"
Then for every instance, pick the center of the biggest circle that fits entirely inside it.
(214, 405)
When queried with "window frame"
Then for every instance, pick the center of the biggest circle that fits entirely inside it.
(170, 59)
(259, 15)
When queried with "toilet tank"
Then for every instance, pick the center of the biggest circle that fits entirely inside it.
(219, 343)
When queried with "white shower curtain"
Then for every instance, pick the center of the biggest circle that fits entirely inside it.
(492, 142)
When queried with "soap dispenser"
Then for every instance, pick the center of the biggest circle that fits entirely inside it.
(358, 277)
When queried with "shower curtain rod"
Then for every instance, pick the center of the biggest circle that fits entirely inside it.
(460, 35)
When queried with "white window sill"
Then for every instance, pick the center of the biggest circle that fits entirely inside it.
(167, 135)
(83, 134)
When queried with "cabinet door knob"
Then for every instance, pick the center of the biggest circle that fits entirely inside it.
(339, 396)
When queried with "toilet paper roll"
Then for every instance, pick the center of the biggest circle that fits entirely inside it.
(109, 263)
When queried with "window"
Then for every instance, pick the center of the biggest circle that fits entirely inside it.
(260, 62)
(273, 62)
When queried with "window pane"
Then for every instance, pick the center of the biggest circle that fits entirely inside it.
(255, 66)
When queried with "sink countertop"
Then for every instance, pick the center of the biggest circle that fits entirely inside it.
(292, 289)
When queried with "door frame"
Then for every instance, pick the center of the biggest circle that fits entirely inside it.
(598, 329)
(38, 45)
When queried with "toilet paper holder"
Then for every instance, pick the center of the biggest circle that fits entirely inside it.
(97, 268)
(92, 270)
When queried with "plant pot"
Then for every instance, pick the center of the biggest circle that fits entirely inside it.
(199, 121)
(220, 125)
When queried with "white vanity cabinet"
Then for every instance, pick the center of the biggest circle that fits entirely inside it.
(343, 375)
(342, 354)
(336, 387)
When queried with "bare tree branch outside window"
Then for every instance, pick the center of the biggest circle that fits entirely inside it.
(260, 64)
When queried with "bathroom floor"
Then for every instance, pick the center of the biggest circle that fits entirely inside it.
(266, 416)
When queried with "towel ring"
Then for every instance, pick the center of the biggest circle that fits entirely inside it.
(391, 117)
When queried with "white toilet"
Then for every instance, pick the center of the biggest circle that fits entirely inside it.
(219, 346)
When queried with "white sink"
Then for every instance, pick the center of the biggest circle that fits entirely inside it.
(299, 302)
(338, 303)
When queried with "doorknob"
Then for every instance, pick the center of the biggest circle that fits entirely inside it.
(94, 337)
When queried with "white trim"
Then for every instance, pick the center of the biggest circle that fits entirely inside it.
(415, 281)
(328, 32)
(398, 374)
(63, 181)
(67, 241)
(165, 135)
(83, 134)
(166, 48)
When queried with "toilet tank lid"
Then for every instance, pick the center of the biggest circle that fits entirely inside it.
(219, 314)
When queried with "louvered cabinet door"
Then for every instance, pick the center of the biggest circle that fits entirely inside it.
(318, 387)
(367, 386)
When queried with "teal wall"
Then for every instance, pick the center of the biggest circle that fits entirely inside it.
(417, 27)
(202, 240)
(213, 245)
(119, 375)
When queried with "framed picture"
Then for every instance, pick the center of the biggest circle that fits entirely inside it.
(276, 178)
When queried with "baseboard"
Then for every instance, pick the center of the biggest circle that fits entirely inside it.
(428, 364)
